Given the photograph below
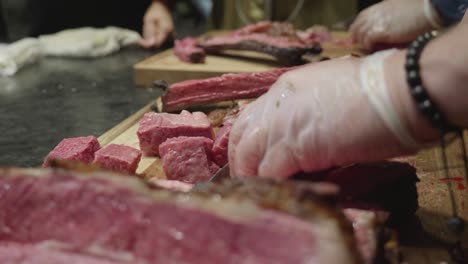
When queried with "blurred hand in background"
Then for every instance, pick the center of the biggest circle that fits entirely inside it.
(158, 25)
(394, 22)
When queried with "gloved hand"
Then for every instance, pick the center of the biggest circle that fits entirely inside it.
(317, 117)
(393, 22)
(158, 25)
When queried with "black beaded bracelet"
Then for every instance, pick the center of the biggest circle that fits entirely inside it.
(438, 120)
(419, 93)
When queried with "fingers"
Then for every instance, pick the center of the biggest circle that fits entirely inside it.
(234, 138)
(356, 28)
(249, 152)
(279, 162)
(155, 34)
(247, 140)
(146, 43)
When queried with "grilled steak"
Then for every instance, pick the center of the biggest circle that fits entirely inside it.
(288, 52)
(259, 27)
(279, 40)
(114, 218)
(191, 93)
(80, 149)
(118, 158)
(187, 50)
(188, 159)
(155, 128)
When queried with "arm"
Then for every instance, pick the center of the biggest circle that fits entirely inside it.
(321, 115)
(444, 74)
(158, 25)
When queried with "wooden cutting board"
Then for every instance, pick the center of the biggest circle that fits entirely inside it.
(420, 246)
(166, 66)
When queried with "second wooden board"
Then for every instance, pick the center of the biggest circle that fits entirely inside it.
(166, 66)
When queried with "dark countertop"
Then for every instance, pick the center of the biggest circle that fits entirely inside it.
(60, 98)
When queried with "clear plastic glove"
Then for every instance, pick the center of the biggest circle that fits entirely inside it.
(158, 25)
(313, 118)
(393, 22)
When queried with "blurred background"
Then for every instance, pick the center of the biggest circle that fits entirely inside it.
(21, 18)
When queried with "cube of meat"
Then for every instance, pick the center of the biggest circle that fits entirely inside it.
(155, 128)
(188, 159)
(80, 149)
(118, 158)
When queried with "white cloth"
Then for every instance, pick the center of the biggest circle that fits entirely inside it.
(78, 43)
(87, 42)
(18, 54)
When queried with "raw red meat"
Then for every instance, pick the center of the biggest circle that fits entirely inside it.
(188, 159)
(220, 146)
(120, 219)
(190, 93)
(118, 158)
(155, 128)
(187, 50)
(79, 149)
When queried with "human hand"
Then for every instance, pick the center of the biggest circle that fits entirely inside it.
(314, 118)
(393, 22)
(158, 25)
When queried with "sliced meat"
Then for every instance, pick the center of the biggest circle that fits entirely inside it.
(172, 185)
(187, 50)
(118, 158)
(288, 52)
(108, 215)
(188, 159)
(79, 149)
(155, 128)
(191, 93)
(220, 146)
